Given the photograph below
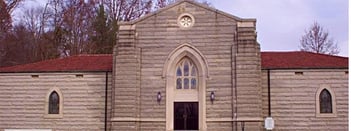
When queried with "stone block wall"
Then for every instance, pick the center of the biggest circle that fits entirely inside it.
(293, 98)
(145, 44)
(22, 100)
(246, 77)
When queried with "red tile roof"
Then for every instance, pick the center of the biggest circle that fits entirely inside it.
(301, 59)
(270, 60)
(101, 62)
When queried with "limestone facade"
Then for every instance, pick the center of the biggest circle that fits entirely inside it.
(224, 51)
(295, 98)
(24, 100)
(220, 45)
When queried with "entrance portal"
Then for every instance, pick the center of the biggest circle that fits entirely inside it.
(186, 116)
(186, 71)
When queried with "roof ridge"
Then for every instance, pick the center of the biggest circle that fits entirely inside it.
(279, 51)
(301, 59)
(84, 62)
(35, 62)
(58, 58)
(329, 55)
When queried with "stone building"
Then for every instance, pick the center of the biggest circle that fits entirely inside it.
(184, 67)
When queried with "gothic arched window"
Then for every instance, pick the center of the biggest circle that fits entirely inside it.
(54, 103)
(186, 75)
(325, 102)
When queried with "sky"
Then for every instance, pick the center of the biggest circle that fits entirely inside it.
(281, 23)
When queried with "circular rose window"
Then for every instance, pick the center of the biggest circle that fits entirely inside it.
(186, 21)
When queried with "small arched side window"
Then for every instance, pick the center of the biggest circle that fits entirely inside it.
(325, 102)
(54, 103)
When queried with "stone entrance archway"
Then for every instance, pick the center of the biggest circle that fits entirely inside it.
(169, 72)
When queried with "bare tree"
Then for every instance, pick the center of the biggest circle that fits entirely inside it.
(33, 20)
(6, 7)
(164, 3)
(12, 4)
(66, 27)
(72, 20)
(104, 32)
(317, 40)
(36, 21)
(18, 46)
(5, 18)
(126, 10)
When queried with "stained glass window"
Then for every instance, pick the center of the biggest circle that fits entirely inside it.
(186, 83)
(193, 83)
(179, 71)
(325, 102)
(179, 83)
(54, 103)
(186, 68)
(186, 75)
(193, 71)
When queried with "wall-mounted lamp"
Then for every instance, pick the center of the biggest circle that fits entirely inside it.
(159, 97)
(212, 96)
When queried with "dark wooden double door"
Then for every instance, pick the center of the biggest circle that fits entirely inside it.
(186, 116)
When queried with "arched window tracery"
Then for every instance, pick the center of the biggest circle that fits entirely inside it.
(186, 75)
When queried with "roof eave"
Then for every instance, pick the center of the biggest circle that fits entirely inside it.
(67, 71)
